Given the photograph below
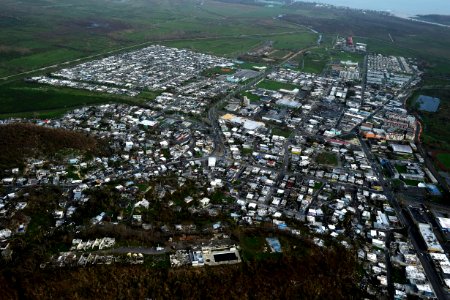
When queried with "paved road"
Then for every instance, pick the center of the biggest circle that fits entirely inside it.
(413, 234)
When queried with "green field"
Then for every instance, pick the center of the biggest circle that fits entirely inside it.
(218, 71)
(39, 33)
(252, 97)
(315, 60)
(36, 100)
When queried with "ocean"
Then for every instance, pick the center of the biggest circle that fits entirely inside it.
(402, 8)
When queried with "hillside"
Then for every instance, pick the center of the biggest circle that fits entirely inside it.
(20, 141)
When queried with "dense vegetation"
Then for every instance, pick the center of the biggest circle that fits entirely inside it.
(325, 274)
(441, 19)
(20, 141)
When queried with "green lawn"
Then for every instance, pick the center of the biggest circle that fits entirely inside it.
(295, 41)
(223, 47)
(315, 60)
(252, 97)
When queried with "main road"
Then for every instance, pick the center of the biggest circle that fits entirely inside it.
(413, 234)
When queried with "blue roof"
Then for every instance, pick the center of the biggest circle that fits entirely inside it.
(433, 190)
(274, 244)
(427, 103)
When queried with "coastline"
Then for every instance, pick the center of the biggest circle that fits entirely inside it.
(406, 16)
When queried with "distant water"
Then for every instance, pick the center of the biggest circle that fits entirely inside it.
(402, 8)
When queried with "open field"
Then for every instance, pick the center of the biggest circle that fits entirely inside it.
(250, 96)
(315, 60)
(35, 100)
(81, 28)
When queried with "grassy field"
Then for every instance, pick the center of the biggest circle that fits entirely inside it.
(218, 71)
(327, 158)
(35, 100)
(252, 97)
(315, 60)
(81, 28)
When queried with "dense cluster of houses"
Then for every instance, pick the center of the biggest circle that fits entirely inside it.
(153, 68)
(297, 146)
